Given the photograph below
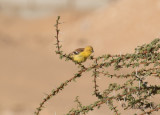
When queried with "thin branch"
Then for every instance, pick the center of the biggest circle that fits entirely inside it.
(95, 73)
(56, 91)
(140, 72)
(149, 112)
(57, 33)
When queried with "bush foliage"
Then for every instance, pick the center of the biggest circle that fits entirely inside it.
(135, 93)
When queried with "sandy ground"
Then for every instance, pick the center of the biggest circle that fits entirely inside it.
(29, 67)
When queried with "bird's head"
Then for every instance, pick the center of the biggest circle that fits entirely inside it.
(89, 48)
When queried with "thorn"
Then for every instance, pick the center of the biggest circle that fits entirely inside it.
(120, 101)
(136, 72)
(114, 93)
(107, 102)
(139, 84)
(128, 89)
(137, 111)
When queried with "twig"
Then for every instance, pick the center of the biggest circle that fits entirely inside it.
(149, 112)
(54, 92)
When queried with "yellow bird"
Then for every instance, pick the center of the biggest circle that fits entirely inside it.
(81, 54)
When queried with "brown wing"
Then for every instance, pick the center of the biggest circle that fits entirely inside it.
(77, 51)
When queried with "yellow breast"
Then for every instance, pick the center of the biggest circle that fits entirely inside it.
(86, 54)
(79, 58)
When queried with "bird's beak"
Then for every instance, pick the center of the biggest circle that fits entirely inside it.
(92, 51)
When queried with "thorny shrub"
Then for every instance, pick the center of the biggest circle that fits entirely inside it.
(133, 94)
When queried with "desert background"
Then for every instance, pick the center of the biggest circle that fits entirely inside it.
(29, 67)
